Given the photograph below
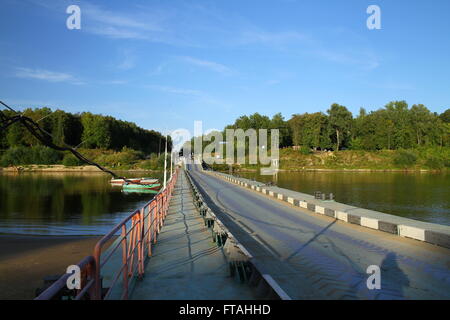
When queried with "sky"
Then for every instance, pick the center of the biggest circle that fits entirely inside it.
(165, 64)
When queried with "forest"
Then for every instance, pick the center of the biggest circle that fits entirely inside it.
(117, 143)
(86, 131)
(396, 126)
(395, 136)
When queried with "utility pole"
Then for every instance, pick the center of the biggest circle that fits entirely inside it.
(165, 165)
(171, 161)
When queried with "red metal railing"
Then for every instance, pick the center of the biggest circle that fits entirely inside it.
(88, 271)
(138, 232)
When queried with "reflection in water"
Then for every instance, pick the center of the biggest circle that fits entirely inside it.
(63, 203)
(421, 196)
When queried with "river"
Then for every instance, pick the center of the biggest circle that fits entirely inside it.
(422, 196)
(64, 203)
(86, 203)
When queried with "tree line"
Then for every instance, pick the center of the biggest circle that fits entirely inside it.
(396, 126)
(85, 130)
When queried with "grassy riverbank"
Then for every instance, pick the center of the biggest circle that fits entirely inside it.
(290, 160)
(414, 159)
(44, 159)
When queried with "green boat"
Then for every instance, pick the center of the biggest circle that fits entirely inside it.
(144, 188)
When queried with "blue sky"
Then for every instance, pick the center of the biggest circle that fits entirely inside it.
(164, 64)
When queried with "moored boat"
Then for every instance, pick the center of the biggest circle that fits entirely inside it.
(134, 186)
(144, 180)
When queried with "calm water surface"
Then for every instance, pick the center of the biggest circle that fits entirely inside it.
(420, 196)
(64, 203)
(86, 203)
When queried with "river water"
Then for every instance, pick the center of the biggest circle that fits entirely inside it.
(422, 196)
(64, 203)
(86, 203)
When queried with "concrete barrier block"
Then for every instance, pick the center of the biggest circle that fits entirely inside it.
(437, 238)
(311, 206)
(304, 204)
(320, 210)
(369, 223)
(353, 219)
(290, 200)
(411, 232)
(330, 213)
(271, 193)
(388, 227)
(258, 189)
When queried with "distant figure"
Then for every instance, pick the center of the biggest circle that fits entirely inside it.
(392, 278)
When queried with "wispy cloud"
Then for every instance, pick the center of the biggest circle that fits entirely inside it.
(46, 75)
(176, 90)
(134, 23)
(114, 82)
(214, 66)
(128, 60)
(365, 60)
(272, 38)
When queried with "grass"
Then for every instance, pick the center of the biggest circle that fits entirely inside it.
(415, 159)
(434, 158)
(126, 159)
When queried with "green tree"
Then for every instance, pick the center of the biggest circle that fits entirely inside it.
(340, 120)
(445, 116)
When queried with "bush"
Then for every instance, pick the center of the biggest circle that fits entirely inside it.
(15, 156)
(45, 155)
(357, 144)
(305, 150)
(405, 159)
(71, 161)
(155, 162)
(126, 157)
(36, 155)
(435, 163)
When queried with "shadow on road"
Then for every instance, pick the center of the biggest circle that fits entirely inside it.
(393, 279)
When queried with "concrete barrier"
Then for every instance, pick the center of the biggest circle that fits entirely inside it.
(422, 231)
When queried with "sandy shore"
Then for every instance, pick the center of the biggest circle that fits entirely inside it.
(61, 168)
(26, 260)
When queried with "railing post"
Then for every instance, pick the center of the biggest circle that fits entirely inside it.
(125, 261)
(98, 282)
(132, 245)
(92, 272)
(155, 219)
(141, 243)
(149, 231)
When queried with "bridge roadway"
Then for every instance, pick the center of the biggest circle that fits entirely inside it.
(312, 256)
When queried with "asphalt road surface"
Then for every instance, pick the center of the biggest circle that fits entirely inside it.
(318, 257)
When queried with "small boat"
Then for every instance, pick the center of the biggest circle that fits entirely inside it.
(150, 191)
(149, 181)
(119, 182)
(141, 187)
